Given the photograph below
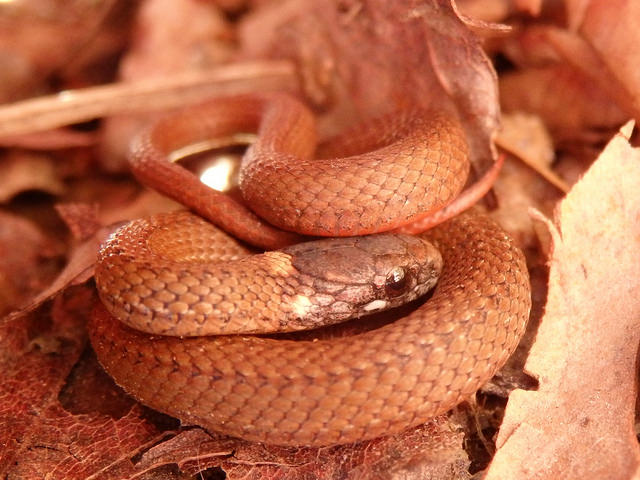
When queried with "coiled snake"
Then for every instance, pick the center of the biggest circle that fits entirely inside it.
(158, 275)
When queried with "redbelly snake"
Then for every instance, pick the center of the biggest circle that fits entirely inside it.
(158, 275)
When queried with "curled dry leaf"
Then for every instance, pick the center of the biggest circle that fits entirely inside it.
(580, 76)
(83, 222)
(86, 225)
(81, 218)
(354, 61)
(525, 136)
(39, 39)
(585, 106)
(580, 423)
(78, 269)
(192, 35)
(517, 190)
(20, 171)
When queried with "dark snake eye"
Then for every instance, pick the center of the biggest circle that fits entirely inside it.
(396, 281)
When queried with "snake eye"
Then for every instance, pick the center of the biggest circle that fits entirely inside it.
(396, 281)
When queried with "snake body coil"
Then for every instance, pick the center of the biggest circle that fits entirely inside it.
(319, 391)
(345, 389)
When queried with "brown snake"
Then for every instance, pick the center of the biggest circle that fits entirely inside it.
(313, 391)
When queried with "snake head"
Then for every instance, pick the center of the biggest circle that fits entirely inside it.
(356, 276)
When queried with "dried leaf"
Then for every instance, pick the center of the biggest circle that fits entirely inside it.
(568, 101)
(192, 35)
(81, 218)
(22, 246)
(353, 59)
(38, 436)
(78, 270)
(430, 451)
(609, 27)
(580, 423)
(526, 137)
(21, 171)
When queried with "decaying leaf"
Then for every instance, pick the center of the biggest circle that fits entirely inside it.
(525, 136)
(78, 270)
(580, 423)
(586, 107)
(37, 435)
(430, 451)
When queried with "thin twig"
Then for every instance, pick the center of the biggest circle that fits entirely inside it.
(74, 106)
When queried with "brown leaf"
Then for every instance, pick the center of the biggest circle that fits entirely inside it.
(38, 436)
(360, 59)
(526, 137)
(580, 423)
(81, 218)
(609, 28)
(430, 451)
(78, 270)
(192, 35)
(567, 100)
(593, 54)
(22, 246)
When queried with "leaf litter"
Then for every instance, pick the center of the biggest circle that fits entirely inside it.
(566, 69)
(580, 421)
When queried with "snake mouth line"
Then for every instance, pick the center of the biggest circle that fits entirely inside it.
(355, 326)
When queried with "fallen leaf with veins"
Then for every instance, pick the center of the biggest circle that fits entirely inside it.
(580, 423)
(433, 450)
(36, 433)
(78, 270)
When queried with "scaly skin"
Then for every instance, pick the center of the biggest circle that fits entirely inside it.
(345, 389)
